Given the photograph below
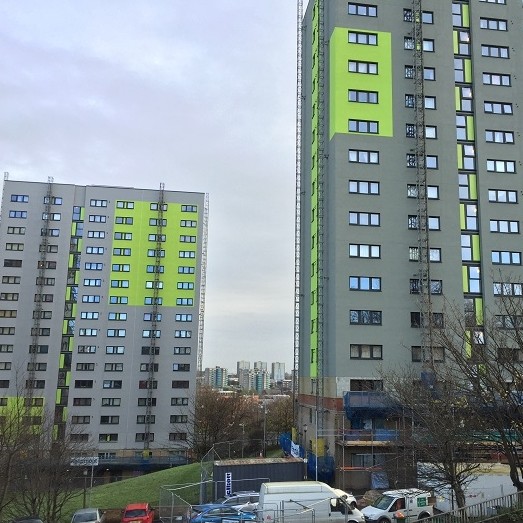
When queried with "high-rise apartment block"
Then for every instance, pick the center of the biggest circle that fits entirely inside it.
(277, 371)
(410, 194)
(216, 377)
(101, 311)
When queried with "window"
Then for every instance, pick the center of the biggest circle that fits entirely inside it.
(509, 321)
(120, 204)
(495, 1)
(96, 234)
(184, 301)
(363, 38)
(8, 296)
(144, 436)
(123, 235)
(43, 298)
(177, 384)
(156, 206)
(83, 384)
(111, 402)
(188, 223)
(156, 222)
(183, 317)
(97, 218)
(86, 349)
(178, 418)
(508, 289)
(177, 436)
(87, 315)
(85, 366)
(506, 257)
(181, 367)
(437, 354)
(362, 9)
(361, 156)
(494, 24)
(361, 187)
(365, 317)
(18, 214)
(12, 263)
(121, 316)
(149, 316)
(147, 384)
(123, 220)
(179, 401)
(117, 251)
(153, 253)
(434, 254)
(49, 232)
(356, 66)
(118, 300)
(496, 79)
(494, 51)
(184, 239)
(153, 268)
(186, 254)
(16, 230)
(141, 419)
(8, 313)
(146, 351)
(146, 367)
(115, 333)
(11, 279)
(428, 45)
(499, 136)
(94, 250)
(501, 166)
(143, 402)
(363, 126)
(80, 420)
(429, 73)
(91, 266)
(182, 334)
(183, 269)
(121, 284)
(361, 250)
(20, 198)
(98, 203)
(14, 246)
(497, 107)
(408, 42)
(189, 208)
(436, 286)
(112, 384)
(504, 226)
(148, 333)
(81, 402)
(91, 282)
(91, 298)
(109, 420)
(182, 350)
(409, 71)
(364, 283)
(364, 218)
(366, 97)
(52, 216)
(113, 367)
(185, 285)
(432, 191)
(114, 349)
(6, 347)
(107, 438)
(502, 196)
(431, 162)
(366, 352)
(149, 300)
(87, 332)
(417, 319)
(121, 267)
(431, 132)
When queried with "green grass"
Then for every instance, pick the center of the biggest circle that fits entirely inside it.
(144, 488)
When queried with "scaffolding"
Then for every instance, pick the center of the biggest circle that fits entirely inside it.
(203, 279)
(421, 183)
(40, 282)
(155, 314)
(297, 241)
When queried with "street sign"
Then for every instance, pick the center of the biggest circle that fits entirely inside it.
(84, 461)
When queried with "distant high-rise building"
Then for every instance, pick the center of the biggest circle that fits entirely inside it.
(410, 193)
(241, 365)
(260, 365)
(216, 377)
(101, 310)
(277, 371)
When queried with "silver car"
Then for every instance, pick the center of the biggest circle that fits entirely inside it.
(87, 515)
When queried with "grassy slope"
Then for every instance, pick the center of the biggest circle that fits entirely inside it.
(142, 488)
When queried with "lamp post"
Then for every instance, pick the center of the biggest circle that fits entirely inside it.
(85, 486)
(242, 425)
(305, 448)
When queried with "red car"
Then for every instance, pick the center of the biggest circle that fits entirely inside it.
(138, 513)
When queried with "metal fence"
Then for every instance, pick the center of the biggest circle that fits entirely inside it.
(489, 510)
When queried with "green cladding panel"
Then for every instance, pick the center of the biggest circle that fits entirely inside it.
(341, 80)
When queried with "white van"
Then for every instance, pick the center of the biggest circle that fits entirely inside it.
(305, 501)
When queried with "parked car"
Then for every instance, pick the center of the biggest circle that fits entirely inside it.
(219, 513)
(27, 519)
(246, 500)
(87, 515)
(138, 513)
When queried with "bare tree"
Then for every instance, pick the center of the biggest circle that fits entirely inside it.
(279, 416)
(438, 426)
(487, 351)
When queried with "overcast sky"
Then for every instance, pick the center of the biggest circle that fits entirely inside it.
(199, 95)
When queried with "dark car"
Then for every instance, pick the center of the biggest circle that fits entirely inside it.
(27, 519)
(219, 513)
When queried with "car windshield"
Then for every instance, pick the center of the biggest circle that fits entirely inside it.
(84, 517)
(135, 513)
(383, 502)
